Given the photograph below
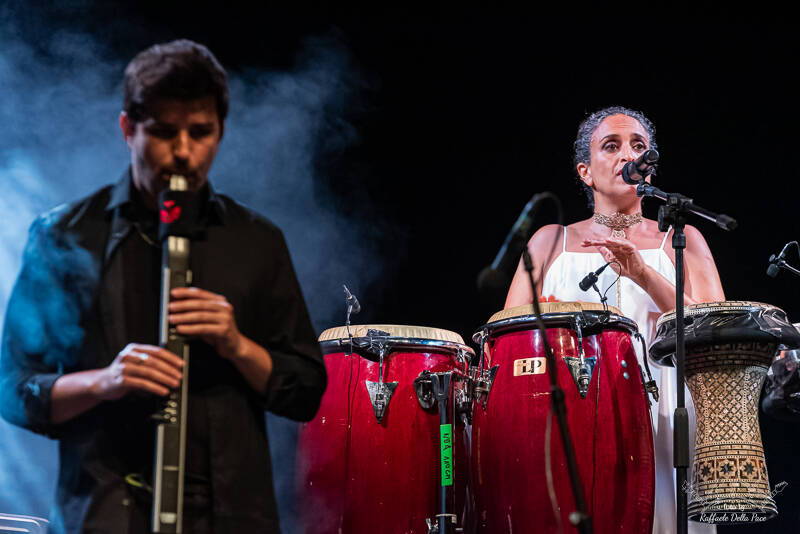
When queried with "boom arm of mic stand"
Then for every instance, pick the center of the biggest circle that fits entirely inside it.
(783, 265)
(686, 204)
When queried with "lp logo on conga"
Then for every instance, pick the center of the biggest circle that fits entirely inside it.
(530, 366)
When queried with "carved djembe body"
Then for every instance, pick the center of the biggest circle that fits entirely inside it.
(729, 473)
(729, 347)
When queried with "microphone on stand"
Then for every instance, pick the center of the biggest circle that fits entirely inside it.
(353, 306)
(591, 279)
(635, 171)
(776, 262)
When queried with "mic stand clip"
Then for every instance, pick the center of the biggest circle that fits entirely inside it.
(603, 298)
(781, 264)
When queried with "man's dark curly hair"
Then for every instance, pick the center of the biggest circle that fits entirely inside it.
(181, 70)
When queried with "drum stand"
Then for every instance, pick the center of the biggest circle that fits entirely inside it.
(580, 518)
(435, 389)
(674, 213)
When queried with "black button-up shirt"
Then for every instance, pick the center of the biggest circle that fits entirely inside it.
(69, 311)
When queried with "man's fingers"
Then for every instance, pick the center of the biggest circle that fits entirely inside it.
(157, 353)
(152, 374)
(134, 357)
(197, 317)
(141, 384)
(198, 304)
(201, 329)
(145, 360)
(193, 292)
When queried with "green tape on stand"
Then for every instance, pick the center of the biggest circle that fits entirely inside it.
(446, 433)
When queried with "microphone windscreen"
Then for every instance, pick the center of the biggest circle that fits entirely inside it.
(651, 156)
(772, 270)
(726, 223)
(587, 281)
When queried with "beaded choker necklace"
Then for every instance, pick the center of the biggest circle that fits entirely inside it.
(618, 222)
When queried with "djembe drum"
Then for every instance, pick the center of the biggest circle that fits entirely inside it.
(729, 347)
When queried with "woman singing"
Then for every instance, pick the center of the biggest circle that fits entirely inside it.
(642, 256)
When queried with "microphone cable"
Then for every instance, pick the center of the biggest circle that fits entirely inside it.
(604, 298)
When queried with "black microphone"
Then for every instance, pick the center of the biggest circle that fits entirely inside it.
(591, 279)
(635, 171)
(775, 261)
(497, 276)
(773, 269)
(353, 306)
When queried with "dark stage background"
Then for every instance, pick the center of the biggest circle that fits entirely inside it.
(396, 150)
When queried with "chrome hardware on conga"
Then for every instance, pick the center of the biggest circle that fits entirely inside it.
(390, 464)
(380, 392)
(519, 476)
(482, 377)
(729, 346)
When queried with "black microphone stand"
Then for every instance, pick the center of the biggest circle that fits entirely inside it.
(783, 265)
(776, 263)
(580, 518)
(673, 213)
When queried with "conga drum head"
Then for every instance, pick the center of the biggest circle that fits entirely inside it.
(395, 336)
(519, 477)
(370, 460)
(593, 316)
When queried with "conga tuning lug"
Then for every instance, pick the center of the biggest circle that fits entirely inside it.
(463, 396)
(380, 393)
(581, 370)
(483, 381)
(423, 386)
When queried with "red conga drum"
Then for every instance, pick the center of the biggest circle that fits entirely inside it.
(519, 472)
(379, 451)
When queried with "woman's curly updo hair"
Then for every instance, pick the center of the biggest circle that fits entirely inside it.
(586, 130)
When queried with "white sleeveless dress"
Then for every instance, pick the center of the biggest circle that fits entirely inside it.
(561, 281)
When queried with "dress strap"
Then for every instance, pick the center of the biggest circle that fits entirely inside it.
(564, 248)
(663, 241)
